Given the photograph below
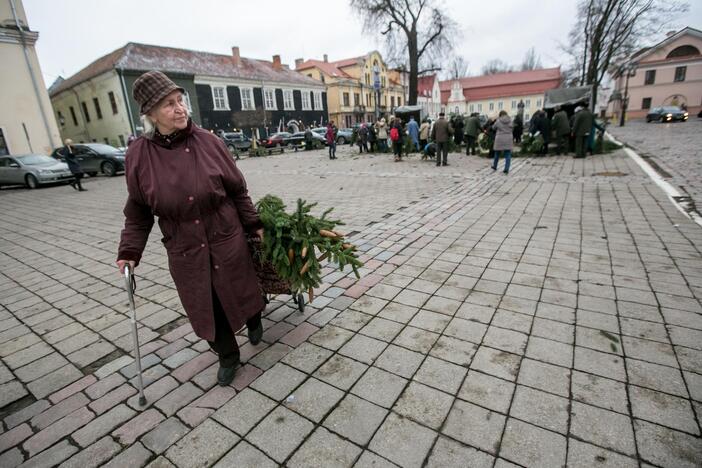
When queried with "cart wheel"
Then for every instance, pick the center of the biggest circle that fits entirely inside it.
(300, 302)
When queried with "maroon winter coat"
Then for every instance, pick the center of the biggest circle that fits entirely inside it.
(203, 207)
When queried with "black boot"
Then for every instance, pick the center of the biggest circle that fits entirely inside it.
(225, 375)
(255, 329)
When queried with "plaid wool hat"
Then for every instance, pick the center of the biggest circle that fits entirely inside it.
(150, 88)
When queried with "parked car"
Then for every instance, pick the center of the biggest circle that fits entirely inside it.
(667, 114)
(343, 135)
(298, 138)
(236, 141)
(96, 157)
(32, 170)
(276, 139)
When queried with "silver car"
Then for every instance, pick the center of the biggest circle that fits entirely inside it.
(32, 170)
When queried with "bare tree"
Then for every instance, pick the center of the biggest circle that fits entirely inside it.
(495, 66)
(609, 31)
(531, 60)
(418, 33)
(457, 68)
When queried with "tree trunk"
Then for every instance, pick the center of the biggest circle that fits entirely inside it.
(413, 68)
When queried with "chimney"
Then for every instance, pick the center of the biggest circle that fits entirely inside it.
(236, 58)
(326, 59)
(276, 62)
(298, 62)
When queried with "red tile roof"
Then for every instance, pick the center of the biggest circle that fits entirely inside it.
(330, 68)
(425, 85)
(504, 84)
(143, 57)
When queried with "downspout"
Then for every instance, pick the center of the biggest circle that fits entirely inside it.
(120, 73)
(31, 73)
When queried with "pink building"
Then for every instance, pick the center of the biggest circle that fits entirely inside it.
(668, 73)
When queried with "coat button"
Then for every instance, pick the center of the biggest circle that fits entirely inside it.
(187, 150)
(202, 245)
(197, 221)
(216, 267)
(191, 198)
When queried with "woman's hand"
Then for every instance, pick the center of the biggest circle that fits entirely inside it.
(122, 263)
(259, 233)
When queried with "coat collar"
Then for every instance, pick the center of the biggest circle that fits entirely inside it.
(168, 141)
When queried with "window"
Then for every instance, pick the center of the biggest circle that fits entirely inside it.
(526, 116)
(288, 103)
(4, 150)
(472, 108)
(650, 77)
(356, 99)
(113, 102)
(399, 101)
(491, 106)
(247, 102)
(61, 120)
(527, 103)
(186, 102)
(121, 140)
(346, 100)
(98, 112)
(392, 102)
(680, 73)
(368, 100)
(269, 99)
(219, 98)
(368, 82)
(455, 110)
(646, 103)
(85, 111)
(306, 100)
(382, 81)
(538, 103)
(317, 100)
(106, 140)
(73, 116)
(348, 121)
(514, 104)
(480, 107)
(500, 105)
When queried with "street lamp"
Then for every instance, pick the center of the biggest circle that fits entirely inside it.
(630, 69)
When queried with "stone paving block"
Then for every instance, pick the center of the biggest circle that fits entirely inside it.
(58, 411)
(441, 374)
(474, 426)
(546, 377)
(178, 398)
(369, 459)
(424, 405)
(91, 353)
(379, 387)
(514, 321)
(583, 455)
(398, 312)
(180, 358)
(279, 381)
(72, 389)
(53, 381)
(147, 361)
(532, 446)
(25, 414)
(430, 321)
(270, 356)
(599, 391)
(382, 329)
(113, 366)
(154, 392)
(51, 456)
(27, 355)
(656, 377)
(300, 334)
(149, 376)
(313, 399)
(454, 350)
(663, 409)
(488, 391)
(340, 371)
(363, 348)
(244, 411)
(191, 368)
(447, 452)
(102, 425)
(244, 376)
(135, 427)
(306, 357)
(14, 437)
(355, 419)
(58, 430)
(324, 448)
(202, 446)
(103, 386)
(40, 367)
(667, 447)
(11, 458)
(352, 320)
(95, 455)
(164, 435)
(416, 339)
(399, 361)
(20, 343)
(596, 362)
(496, 362)
(135, 455)
(245, 454)
(112, 399)
(651, 351)
(331, 337)
(280, 433)
(603, 428)
(403, 441)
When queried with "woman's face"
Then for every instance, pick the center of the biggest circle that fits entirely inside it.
(170, 114)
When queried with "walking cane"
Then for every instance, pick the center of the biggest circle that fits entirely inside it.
(131, 287)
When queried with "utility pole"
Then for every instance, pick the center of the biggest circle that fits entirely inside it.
(629, 68)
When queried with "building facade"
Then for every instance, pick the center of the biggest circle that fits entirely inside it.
(222, 92)
(490, 94)
(669, 73)
(359, 89)
(429, 95)
(27, 124)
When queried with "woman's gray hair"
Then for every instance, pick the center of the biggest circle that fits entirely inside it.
(150, 126)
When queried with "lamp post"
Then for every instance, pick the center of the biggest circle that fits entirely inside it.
(630, 69)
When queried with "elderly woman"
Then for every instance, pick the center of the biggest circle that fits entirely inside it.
(503, 140)
(185, 176)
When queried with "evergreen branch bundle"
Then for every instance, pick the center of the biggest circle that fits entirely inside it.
(291, 243)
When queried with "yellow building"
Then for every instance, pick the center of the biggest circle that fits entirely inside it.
(359, 89)
(27, 123)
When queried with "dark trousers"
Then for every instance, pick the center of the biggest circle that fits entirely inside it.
(580, 145)
(562, 144)
(225, 344)
(470, 144)
(332, 150)
(76, 181)
(397, 148)
(441, 153)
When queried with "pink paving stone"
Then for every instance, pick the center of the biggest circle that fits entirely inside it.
(151, 346)
(248, 351)
(274, 333)
(101, 387)
(191, 368)
(15, 436)
(179, 332)
(356, 291)
(194, 416)
(75, 387)
(154, 391)
(207, 378)
(215, 398)
(172, 348)
(244, 376)
(345, 282)
(58, 431)
(299, 334)
(58, 411)
(370, 280)
(140, 424)
(372, 264)
(112, 398)
(397, 259)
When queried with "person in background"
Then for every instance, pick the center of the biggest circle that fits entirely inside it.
(518, 128)
(185, 176)
(372, 138)
(331, 139)
(381, 133)
(582, 126)
(363, 138)
(73, 165)
(397, 138)
(561, 127)
(308, 138)
(413, 132)
(543, 126)
(472, 131)
(458, 126)
(424, 133)
(440, 134)
(503, 140)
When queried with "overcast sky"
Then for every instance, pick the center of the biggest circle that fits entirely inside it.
(73, 33)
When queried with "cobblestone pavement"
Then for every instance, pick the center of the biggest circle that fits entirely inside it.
(544, 318)
(675, 147)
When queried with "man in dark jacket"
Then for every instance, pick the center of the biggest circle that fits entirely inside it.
(543, 126)
(458, 131)
(440, 134)
(582, 126)
(70, 157)
(518, 128)
(472, 131)
(562, 129)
